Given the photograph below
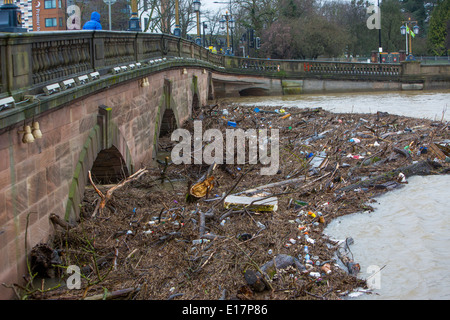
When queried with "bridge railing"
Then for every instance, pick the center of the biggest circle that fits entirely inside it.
(30, 61)
(33, 60)
(305, 67)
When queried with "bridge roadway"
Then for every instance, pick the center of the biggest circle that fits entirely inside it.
(102, 100)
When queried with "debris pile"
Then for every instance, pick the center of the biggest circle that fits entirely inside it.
(224, 231)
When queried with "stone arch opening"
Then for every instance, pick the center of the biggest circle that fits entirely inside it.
(195, 103)
(109, 167)
(253, 92)
(168, 123)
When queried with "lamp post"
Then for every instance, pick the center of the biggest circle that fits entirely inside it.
(205, 26)
(197, 5)
(109, 3)
(228, 22)
(10, 18)
(134, 24)
(177, 30)
(409, 29)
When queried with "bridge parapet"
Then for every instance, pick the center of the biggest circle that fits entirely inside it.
(305, 68)
(31, 61)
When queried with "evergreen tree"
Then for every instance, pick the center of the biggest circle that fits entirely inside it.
(438, 31)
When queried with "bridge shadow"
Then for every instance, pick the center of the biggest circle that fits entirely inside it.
(254, 92)
(109, 167)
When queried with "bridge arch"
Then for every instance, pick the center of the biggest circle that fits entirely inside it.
(106, 154)
(254, 92)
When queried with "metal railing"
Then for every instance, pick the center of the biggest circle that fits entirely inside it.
(309, 67)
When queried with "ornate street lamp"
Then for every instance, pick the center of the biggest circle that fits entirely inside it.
(410, 29)
(134, 24)
(197, 5)
(227, 21)
(177, 30)
(205, 26)
(10, 18)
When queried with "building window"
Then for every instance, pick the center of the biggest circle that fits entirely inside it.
(61, 22)
(50, 4)
(50, 22)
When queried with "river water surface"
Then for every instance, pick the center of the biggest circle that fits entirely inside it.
(407, 236)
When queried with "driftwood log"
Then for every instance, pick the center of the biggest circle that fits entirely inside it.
(422, 168)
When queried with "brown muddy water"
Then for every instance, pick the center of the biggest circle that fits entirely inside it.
(403, 245)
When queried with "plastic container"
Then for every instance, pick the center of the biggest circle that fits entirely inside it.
(321, 218)
(311, 214)
(326, 268)
(231, 123)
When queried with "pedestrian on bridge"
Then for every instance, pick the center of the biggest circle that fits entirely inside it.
(94, 23)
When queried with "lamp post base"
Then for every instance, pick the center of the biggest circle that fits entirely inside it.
(134, 24)
(11, 19)
(410, 57)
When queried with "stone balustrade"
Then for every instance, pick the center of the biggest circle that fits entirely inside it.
(31, 61)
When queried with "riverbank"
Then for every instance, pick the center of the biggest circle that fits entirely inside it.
(146, 237)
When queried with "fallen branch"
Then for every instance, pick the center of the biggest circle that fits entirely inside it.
(114, 294)
(282, 183)
(421, 168)
(56, 220)
(104, 198)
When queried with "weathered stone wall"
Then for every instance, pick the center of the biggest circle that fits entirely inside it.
(49, 175)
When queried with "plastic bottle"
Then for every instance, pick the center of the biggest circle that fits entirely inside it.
(308, 259)
(231, 123)
(199, 241)
(305, 249)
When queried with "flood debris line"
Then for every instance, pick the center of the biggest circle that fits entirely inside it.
(232, 233)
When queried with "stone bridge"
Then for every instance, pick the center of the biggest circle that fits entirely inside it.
(103, 99)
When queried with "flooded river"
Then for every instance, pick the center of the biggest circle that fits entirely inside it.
(407, 237)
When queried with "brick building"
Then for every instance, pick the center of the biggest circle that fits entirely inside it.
(42, 15)
(48, 15)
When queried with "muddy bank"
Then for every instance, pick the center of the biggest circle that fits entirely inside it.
(155, 241)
